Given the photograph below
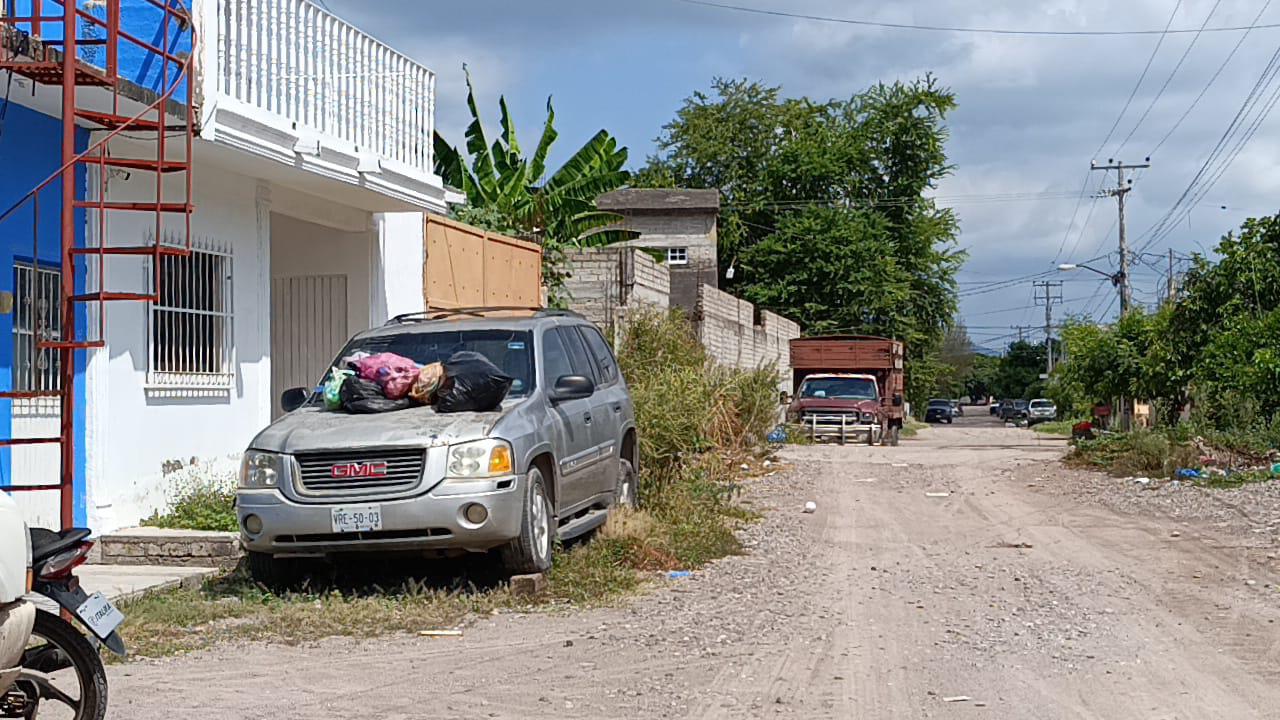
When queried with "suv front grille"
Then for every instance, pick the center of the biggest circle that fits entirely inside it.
(350, 472)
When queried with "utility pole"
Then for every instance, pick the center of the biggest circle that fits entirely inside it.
(1173, 290)
(1052, 293)
(1122, 188)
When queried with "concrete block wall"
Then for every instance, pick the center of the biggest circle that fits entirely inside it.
(736, 335)
(606, 284)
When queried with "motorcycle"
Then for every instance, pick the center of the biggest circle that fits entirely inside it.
(59, 667)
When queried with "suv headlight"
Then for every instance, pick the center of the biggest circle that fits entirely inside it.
(261, 470)
(479, 459)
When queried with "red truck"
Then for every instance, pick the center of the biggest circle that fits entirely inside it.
(848, 386)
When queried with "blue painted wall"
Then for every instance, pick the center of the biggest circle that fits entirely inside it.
(140, 19)
(30, 151)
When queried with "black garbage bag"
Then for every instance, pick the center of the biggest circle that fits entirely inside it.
(471, 384)
(364, 397)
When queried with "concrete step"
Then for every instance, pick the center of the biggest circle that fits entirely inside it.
(123, 582)
(164, 547)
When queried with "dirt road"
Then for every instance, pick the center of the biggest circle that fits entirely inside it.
(935, 571)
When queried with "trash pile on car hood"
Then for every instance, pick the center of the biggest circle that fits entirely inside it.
(365, 384)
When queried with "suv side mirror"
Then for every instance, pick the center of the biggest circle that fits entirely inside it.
(897, 401)
(294, 398)
(572, 387)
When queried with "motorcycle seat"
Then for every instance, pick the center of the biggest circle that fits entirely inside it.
(47, 543)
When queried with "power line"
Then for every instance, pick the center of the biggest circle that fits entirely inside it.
(978, 30)
(1169, 79)
(1071, 223)
(1212, 79)
(1151, 58)
(1214, 162)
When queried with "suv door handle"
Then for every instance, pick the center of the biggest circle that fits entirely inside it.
(586, 418)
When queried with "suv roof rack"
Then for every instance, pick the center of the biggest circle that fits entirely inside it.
(481, 311)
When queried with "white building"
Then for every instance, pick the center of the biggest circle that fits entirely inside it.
(312, 169)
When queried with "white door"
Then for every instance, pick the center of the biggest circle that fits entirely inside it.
(35, 315)
(308, 328)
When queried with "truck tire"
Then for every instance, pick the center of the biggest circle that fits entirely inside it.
(530, 551)
(275, 573)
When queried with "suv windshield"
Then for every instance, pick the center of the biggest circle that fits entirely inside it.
(1041, 403)
(840, 388)
(510, 350)
(940, 403)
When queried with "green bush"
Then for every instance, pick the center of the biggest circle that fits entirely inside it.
(686, 407)
(696, 424)
(200, 507)
(1141, 452)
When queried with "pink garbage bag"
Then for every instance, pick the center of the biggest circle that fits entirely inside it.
(393, 373)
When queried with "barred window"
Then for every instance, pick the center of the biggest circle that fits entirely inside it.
(190, 333)
(36, 317)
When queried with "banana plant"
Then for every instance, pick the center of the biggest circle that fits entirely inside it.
(558, 211)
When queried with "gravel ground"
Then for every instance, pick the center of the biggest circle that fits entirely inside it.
(963, 572)
(1249, 515)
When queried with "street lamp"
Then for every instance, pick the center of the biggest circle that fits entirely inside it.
(1117, 279)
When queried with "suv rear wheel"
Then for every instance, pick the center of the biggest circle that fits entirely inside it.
(625, 495)
(530, 552)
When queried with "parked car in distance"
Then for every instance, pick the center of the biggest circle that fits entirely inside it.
(994, 407)
(1013, 410)
(549, 463)
(1041, 410)
(939, 411)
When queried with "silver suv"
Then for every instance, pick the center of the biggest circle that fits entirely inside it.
(549, 463)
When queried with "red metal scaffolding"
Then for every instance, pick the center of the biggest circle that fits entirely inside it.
(47, 50)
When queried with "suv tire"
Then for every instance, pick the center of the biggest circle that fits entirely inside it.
(530, 551)
(275, 573)
(627, 493)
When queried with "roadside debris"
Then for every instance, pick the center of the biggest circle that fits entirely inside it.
(440, 633)
(811, 507)
(679, 574)
(956, 698)
(366, 384)
(937, 494)
(1142, 480)
(1014, 545)
(528, 585)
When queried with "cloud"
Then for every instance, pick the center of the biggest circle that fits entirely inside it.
(1032, 110)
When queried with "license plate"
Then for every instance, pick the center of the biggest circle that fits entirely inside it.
(100, 615)
(357, 518)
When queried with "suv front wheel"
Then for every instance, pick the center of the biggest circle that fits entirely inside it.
(530, 552)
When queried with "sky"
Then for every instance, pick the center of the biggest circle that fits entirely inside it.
(1033, 111)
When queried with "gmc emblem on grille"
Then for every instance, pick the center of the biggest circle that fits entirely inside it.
(358, 470)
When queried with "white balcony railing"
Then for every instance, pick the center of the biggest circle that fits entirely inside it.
(293, 59)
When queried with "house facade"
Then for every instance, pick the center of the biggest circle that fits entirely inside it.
(681, 226)
(311, 170)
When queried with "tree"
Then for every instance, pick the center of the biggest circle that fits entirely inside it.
(507, 192)
(981, 379)
(1018, 374)
(823, 213)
